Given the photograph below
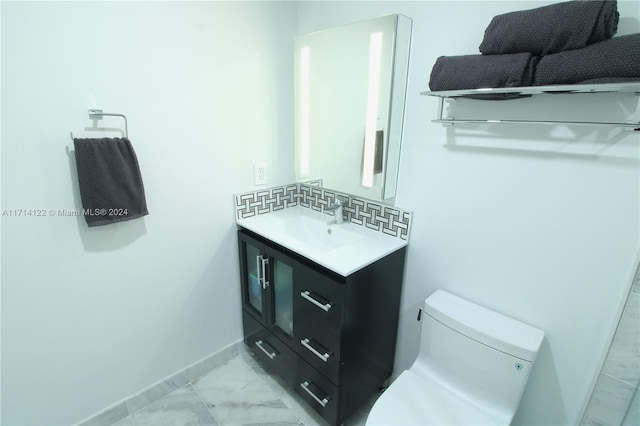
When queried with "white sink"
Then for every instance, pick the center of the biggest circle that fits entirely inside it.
(343, 248)
(321, 232)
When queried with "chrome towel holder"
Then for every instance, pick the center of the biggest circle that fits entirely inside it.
(98, 114)
(626, 87)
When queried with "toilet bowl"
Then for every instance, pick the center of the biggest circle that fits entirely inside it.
(471, 369)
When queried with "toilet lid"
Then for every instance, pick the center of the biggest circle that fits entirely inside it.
(412, 400)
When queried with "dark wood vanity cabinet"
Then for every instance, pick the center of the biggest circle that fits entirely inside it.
(331, 338)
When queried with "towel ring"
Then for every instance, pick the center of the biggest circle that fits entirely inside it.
(97, 114)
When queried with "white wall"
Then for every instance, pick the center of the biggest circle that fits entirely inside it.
(90, 316)
(540, 224)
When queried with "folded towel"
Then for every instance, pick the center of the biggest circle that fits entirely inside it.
(110, 182)
(483, 71)
(610, 60)
(553, 28)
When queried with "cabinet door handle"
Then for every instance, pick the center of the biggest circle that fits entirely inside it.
(261, 266)
(265, 283)
(271, 355)
(305, 385)
(324, 357)
(324, 306)
(258, 258)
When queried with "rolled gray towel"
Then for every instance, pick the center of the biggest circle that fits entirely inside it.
(608, 61)
(482, 71)
(550, 29)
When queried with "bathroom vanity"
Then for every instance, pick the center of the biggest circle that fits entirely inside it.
(330, 335)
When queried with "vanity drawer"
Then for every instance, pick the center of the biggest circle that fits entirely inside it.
(269, 349)
(320, 293)
(322, 395)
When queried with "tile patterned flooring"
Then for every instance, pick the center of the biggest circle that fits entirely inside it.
(238, 392)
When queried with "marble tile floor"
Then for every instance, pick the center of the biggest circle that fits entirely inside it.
(238, 392)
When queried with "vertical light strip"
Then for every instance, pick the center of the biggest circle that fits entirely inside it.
(304, 112)
(375, 57)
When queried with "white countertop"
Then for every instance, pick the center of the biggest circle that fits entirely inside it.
(342, 248)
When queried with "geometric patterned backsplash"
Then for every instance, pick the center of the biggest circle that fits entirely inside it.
(265, 201)
(371, 214)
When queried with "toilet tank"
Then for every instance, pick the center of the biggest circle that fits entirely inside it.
(482, 356)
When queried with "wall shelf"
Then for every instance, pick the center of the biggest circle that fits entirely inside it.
(633, 88)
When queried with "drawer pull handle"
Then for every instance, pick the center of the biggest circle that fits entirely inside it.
(271, 355)
(324, 357)
(305, 385)
(307, 295)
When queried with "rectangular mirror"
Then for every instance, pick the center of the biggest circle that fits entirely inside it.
(350, 87)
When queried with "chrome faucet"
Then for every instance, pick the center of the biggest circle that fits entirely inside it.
(337, 209)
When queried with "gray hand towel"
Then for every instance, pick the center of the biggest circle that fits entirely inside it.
(551, 29)
(110, 182)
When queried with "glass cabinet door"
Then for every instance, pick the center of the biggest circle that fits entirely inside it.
(267, 285)
(252, 288)
(253, 285)
(282, 290)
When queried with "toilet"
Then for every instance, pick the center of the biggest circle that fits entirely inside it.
(471, 369)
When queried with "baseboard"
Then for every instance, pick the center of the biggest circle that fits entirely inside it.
(140, 400)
